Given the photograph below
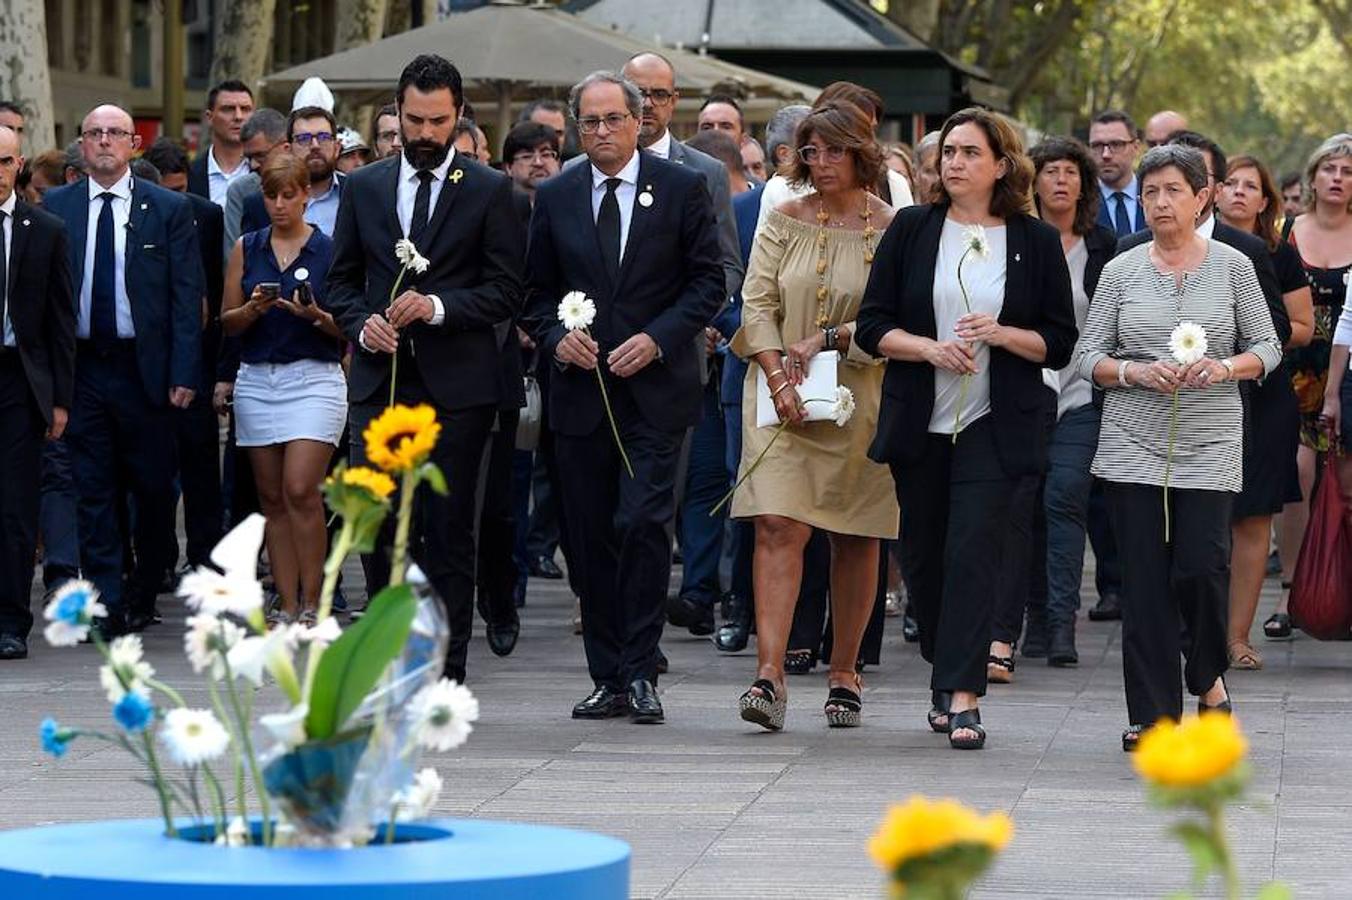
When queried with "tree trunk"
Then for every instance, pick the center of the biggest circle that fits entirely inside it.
(360, 22)
(919, 17)
(24, 76)
(243, 40)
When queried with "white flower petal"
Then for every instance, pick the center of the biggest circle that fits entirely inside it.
(237, 552)
(1187, 343)
(193, 736)
(289, 727)
(444, 714)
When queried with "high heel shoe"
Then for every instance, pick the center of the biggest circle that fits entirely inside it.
(844, 708)
(1225, 707)
(765, 709)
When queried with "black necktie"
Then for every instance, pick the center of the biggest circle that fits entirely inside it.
(1122, 220)
(421, 201)
(4, 278)
(608, 229)
(103, 290)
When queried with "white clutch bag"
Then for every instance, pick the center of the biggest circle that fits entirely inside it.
(818, 384)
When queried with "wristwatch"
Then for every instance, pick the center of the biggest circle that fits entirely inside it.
(1229, 369)
(831, 335)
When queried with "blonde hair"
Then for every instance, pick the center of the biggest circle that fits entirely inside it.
(1335, 147)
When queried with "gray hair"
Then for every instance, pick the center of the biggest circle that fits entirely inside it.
(265, 121)
(75, 158)
(927, 143)
(1335, 147)
(779, 131)
(1188, 161)
(633, 99)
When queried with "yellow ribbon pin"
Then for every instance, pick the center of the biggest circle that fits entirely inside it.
(454, 177)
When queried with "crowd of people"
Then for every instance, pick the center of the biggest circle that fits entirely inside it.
(1131, 341)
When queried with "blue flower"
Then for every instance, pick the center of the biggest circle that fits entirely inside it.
(71, 607)
(54, 737)
(133, 712)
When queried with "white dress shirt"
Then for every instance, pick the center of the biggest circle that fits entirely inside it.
(408, 196)
(661, 147)
(121, 214)
(6, 239)
(218, 180)
(1207, 228)
(624, 195)
(1132, 192)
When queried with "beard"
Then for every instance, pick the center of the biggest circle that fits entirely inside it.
(425, 154)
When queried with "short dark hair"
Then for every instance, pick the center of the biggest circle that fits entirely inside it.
(11, 106)
(554, 106)
(52, 165)
(230, 85)
(429, 72)
(389, 109)
(1011, 194)
(727, 100)
(860, 96)
(1206, 145)
(528, 136)
(310, 112)
(1188, 160)
(464, 125)
(720, 146)
(166, 155)
(144, 170)
(1068, 149)
(1108, 116)
(283, 170)
(265, 121)
(1289, 179)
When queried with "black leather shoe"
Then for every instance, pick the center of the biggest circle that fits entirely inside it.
(502, 638)
(544, 567)
(602, 703)
(685, 612)
(141, 620)
(1035, 638)
(733, 637)
(910, 628)
(1061, 651)
(107, 628)
(644, 707)
(13, 647)
(1108, 609)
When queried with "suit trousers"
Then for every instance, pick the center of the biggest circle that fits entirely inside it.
(497, 574)
(741, 532)
(442, 537)
(1107, 562)
(1024, 582)
(706, 481)
(58, 520)
(615, 532)
(1182, 583)
(197, 435)
(954, 507)
(119, 441)
(21, 431)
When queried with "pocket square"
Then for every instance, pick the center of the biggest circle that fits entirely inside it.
(149, 246)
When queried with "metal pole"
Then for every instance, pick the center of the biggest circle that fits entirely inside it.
(173, 69)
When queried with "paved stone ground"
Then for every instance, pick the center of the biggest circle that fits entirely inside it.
(716, 809)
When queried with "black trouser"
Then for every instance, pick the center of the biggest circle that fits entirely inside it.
(1023, 582)
(496, 576)
(197, 436)
(442, 539)
(615, 532)
(1187, 579)
(954, 522)
(21, 430)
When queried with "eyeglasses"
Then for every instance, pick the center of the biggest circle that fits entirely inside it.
(1114, 147)
(388, 137)
(658, 97)
(306, 138)
(545, 153)
(112, 134)
(591, 124)
(811, 154)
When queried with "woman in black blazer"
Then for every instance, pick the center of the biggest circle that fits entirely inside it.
(966, 335)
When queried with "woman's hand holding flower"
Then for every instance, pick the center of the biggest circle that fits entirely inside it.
(799, 357)
(981, 327)
(952, 356)
(1204, 373)
(1160, 376)
(788, 405)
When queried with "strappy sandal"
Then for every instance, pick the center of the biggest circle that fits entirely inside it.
(765, 709)
(1000, 669)
(1131, 737)
(1225, 707)
(939, 714)
(798, 662)
(967, 720)
(308, 617)
(844, 707)
(1244, 656)
(1277, 627)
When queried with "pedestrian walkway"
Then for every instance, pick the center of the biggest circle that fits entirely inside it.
(716, 809)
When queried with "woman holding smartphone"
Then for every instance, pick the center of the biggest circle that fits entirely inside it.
(290, 395)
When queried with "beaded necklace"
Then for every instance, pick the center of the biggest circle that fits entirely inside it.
(823, 219)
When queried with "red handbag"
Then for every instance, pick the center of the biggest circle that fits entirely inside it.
(1321, 588)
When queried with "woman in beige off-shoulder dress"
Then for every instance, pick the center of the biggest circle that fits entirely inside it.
(808, 270)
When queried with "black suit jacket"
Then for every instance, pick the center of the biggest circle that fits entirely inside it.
(42, 306)
(210, 222)
(473, 242)
(670, 284)
(900, 294)
(1100, 242)
(1253, 247)
(164, 277)
(199, 184)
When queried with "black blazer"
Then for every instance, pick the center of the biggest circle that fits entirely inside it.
(210, 222)
(164, 276)
(1251, 246)
(900, 294)
(1100, 242)
(670, 284)
(42, 306)
(199, 183)
(473, 242)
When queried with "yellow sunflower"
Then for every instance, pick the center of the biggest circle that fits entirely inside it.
(378, 484)
(1191, 753)
(921, 827)
(402, 437)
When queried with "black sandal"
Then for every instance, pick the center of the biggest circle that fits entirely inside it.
(967, 720)
(943, 702)
(765, 709)
(1277, 626)
(798, 662)
(1225, 707)
(1131, 737)
(1000, 669)
(844, 708)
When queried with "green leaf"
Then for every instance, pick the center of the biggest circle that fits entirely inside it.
(1274, 890)
(353, 664)
(366, 528)
(435, 479)
(1201, 848)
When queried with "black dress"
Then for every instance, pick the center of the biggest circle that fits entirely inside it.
(1272, 421)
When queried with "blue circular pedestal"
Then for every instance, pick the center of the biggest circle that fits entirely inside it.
(463, 859)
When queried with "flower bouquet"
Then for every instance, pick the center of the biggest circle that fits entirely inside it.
(935, 849)
(341, 759)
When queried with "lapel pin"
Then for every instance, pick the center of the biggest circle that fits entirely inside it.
(27, 222)
(143, 206)
(645, 199)
(454, 177)
(1016, 257)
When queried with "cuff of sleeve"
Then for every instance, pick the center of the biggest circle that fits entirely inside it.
(1086, 365)
(361, 339)
(438, 311)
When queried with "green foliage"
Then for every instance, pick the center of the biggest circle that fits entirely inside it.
(353, 664)
(1206, 856)
(430, 473)
(1274, 890)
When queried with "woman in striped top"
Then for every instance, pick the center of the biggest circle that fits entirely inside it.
(1142, 296)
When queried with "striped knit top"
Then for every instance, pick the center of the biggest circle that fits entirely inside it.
(1133, 312)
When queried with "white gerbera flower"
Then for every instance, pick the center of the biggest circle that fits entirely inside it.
(235, 589)
(444, 714)
(73, 608)
(409, 257)
(288, 727)
(974, 239)
(1187, 343)
(236, 834)
(193, 736)
(207, 640)
(576, 310)
(126, 669)
(843, 407)
(416, 800)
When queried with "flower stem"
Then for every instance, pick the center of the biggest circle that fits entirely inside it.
(236, 743)
(1169, 461)
(333, 567)
(394, 358)
(155, 773)
(400, 563)
(755, 463)
(1216, 818)
(242, 720)
(614, 429)
(962, 391)
(218, 801)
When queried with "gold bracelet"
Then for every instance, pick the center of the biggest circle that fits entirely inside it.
(774, 373)
(776, 392)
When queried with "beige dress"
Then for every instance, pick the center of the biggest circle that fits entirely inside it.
(818, 472)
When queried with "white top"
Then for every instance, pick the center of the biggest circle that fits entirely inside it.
(661, 147)
(121, 214)
(624, 195)
(778, 189)
(984, 279)
(1073, 391)
(6, 238)
(408, 190)
(1343, 333)
(218, 180)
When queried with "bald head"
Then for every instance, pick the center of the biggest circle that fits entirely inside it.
(10, 161)
(107, 141)
(1162, 124)
(655, 77)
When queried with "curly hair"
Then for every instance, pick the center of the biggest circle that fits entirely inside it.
(1068, 149)
(838, 123)
(1013, 189)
